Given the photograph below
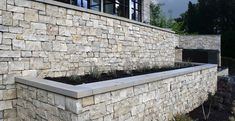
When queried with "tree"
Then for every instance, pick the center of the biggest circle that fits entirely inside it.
(157, 18)
(211, 17)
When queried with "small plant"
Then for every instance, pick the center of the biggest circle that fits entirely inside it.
(95, 73)
(75, 77)
(210, 100)
(113, 73)
(182, 118)
(143, 67)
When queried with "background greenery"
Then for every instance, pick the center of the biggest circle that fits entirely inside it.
(204, 17)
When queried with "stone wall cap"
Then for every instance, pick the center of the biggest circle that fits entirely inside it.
(84, 90)
(69, 6)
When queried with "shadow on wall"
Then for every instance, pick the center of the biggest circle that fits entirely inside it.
(230, 63)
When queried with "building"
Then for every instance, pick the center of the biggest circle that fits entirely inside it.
(131, 9)
(42, 38)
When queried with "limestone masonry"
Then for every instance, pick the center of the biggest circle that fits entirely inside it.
(157, 100)
(40, 39)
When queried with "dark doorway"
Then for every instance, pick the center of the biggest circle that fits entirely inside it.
(195, 56)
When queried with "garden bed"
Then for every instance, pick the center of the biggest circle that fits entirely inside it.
(96, 76)
(153, 96)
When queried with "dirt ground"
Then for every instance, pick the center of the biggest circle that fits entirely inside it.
(222, 104)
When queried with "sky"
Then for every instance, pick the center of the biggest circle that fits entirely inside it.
(176, 6)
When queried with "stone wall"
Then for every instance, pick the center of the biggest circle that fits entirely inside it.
(207, 42)
(49, 38)
(146, 11)
(155, 100)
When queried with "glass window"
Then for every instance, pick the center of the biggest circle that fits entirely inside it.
(117, 7)
(124, 8)
(95, 5)
(81, 3)
(136, 10)
(64, 1)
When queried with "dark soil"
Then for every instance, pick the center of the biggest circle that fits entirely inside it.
(221, 104)
(90, 78)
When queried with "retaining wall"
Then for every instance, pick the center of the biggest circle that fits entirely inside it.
(47, 38)
(151, 97)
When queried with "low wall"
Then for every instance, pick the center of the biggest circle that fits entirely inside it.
(210, 44)
(206, 42)
(156, 96)
(47, 38)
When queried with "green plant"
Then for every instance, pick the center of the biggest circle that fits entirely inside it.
(113, 73)
(75, 77)
(95, 73)
(182, 118)
(143, 67)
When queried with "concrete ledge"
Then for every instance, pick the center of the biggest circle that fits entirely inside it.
(85, 90)
(223, 72)
(69, 6)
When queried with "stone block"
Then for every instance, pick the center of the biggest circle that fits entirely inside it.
(6, 105)
(16, 66)
(9, 94)
(31, 15)
(36, 63)
(64, 31)
(141, 89)
(42, 95)
(51, 98)
(10, 54)
(16, 30)
(60, 101)
(40, 26)
(13, 8)
(38, 6)
(32, 73)
(32, 45)
(73, 105)
(3, 4)
(59, 46)
(23, 3)
(102, 98)
(52, 11)
(26, 54)
(88, 101)
(18, 44)
(97, 111)
(0, 37)
(7, 18)
(52, 30)
(4, 67)
(1, 115)
(1, 94)
(10, 114)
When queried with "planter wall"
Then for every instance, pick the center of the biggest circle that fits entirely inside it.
(156, 96)
(46, 38)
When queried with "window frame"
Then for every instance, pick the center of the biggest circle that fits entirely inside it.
(128, 7)
(136, 10)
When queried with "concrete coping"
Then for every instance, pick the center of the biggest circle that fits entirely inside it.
(84, 90)
(69, 6)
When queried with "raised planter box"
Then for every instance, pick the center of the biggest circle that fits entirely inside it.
(156, 96)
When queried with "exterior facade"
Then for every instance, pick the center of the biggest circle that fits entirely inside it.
(40, 38)
(137, 10)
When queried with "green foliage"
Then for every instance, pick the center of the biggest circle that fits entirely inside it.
(182, 118)
(156, 17)
(228, 44)
(209, 17)
(95, 73)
